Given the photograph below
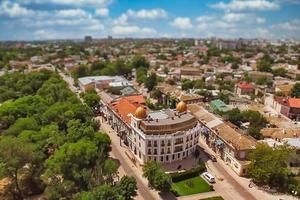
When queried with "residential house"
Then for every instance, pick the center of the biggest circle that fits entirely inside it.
(289, 107)
(229, 144)
(244, 88)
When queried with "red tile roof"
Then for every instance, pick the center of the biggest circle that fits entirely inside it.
(290, 102)
(245, 85)
(126, 105)
(294, 102)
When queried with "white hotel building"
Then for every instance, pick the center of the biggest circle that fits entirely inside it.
(164, 136)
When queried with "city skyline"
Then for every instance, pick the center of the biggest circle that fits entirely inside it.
(70, 19)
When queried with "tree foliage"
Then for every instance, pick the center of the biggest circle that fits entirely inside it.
(270, 166)
(157, 178)
(296, 91)
(50, 142)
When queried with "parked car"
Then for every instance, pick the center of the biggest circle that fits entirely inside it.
(210, 178)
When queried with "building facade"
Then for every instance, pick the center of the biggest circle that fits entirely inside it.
(231, 146)
(163, 136)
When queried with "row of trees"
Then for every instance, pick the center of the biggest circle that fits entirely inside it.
(51, 146)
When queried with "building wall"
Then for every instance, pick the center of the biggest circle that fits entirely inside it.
(229, 155)
(162, 148)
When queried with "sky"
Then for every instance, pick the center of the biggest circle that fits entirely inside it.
(74, 19)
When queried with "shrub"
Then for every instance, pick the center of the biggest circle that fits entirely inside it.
(179, 176)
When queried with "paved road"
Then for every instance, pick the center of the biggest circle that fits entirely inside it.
(235, 185)
(229, 184)
(127, 165)
(143, 189)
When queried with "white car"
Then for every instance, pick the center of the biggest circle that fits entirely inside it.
(210, 178)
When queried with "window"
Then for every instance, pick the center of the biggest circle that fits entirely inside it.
(169, 143)
(161, 158)
(155, 151)
(149, 143)
(149, 151)
(173, 157)
(169, 150)
(167, 158)
(162, 143)
(162, 151)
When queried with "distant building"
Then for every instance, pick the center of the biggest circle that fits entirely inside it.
(289, 107)
(244, 88)
(229, 44)
(88, 39)
(102, 82)
(219, 106)
(109, 39)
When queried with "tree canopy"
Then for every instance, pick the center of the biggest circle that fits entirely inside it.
(46, 130)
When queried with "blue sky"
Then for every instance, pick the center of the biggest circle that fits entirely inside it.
(62, 19)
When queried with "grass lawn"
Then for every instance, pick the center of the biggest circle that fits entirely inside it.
(213, 198)
(191, 186)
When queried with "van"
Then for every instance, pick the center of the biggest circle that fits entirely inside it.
(210, 178)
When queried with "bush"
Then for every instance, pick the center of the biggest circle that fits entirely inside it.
(179, 176)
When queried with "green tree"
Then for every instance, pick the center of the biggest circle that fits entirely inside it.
(14, 155)
(255, 132)
(141, 75)
(280, 72)
(157, 178)
(151, 82)
(296, 91)
(21, 125)
(91, 98)
(139, 61)
(269, 166)
(127, 187)
(110, 170)
(65, 163)
(264, 64)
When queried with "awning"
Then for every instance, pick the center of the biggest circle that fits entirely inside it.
(219, 142)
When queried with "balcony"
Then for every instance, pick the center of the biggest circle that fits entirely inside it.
(178, 142)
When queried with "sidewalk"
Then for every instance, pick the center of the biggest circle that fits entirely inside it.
(200, 196)
(234, 186)
(127, 167)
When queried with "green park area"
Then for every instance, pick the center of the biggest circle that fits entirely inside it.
(191, 186)
(213, 198)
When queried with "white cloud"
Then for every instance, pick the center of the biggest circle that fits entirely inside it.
(103, 12)
(129, 30)
(293, 25)
(239, 5)
(144, 14)
(121, 20)
(71, 13)
(68, 2)
(10, 9)
(147, 14)
(235, 17)
(182, 23)
(260, 20)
